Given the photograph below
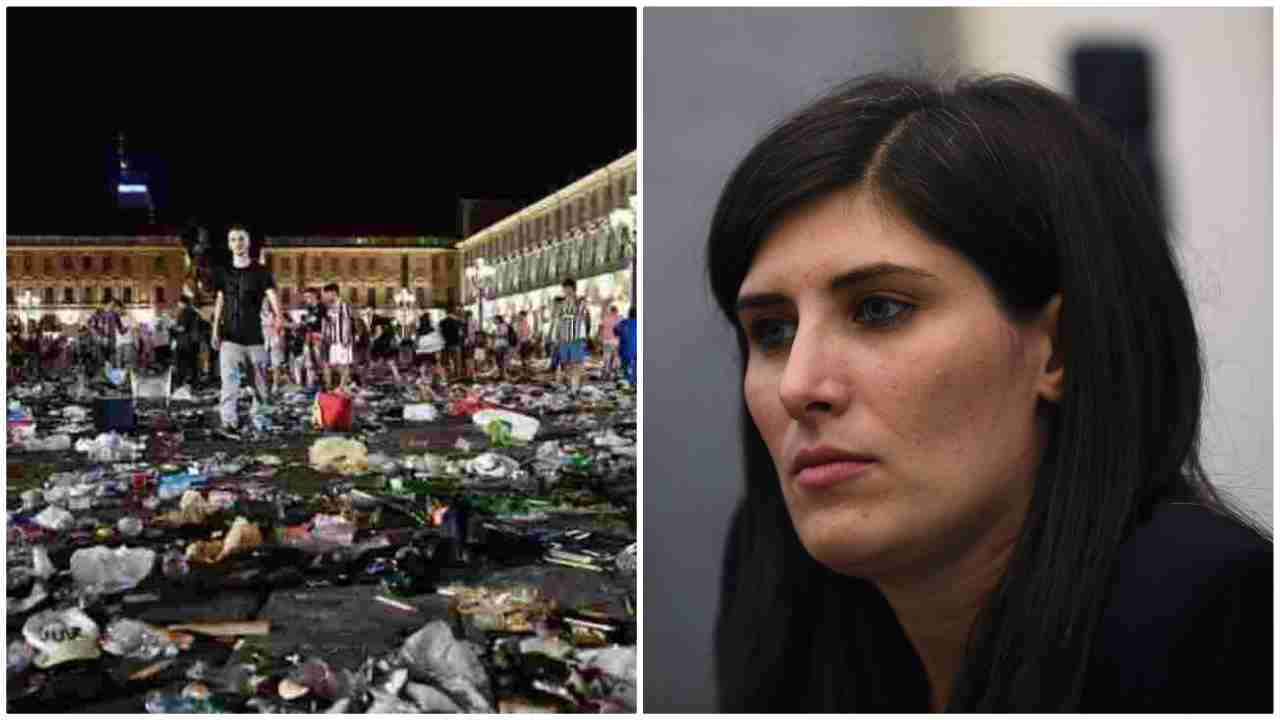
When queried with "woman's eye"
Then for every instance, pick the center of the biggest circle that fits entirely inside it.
(881, 311)
(771, 333)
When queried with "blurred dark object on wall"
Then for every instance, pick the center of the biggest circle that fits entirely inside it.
(1114, 81)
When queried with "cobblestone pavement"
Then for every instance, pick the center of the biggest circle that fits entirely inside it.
(403, 566)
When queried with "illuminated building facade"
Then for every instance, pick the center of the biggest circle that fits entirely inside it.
(369, 270)
(73, 275)
(586, 231)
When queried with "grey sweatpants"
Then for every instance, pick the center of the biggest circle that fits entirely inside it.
(230, 358)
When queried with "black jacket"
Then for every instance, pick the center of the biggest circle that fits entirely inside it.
(1187, 625)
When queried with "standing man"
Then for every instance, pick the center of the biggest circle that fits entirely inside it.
(451, 329)
(186, 335)
(237, 321)
(339, 334)
(573, 323)
(313, 363)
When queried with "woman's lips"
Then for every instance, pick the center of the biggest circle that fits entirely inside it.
(831, 473)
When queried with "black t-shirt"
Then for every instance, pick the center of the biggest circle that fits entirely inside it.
(382, 344)
(242, 291)
(451, 329)
(313, 317)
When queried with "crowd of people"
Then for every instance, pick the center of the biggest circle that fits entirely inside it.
(324, 343)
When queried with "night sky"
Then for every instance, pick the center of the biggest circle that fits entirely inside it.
(295, 120)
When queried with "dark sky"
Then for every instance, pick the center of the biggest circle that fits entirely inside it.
(295, 119)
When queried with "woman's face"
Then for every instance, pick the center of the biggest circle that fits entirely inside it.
(897, 400)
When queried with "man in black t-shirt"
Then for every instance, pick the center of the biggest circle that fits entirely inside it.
(451, 328)
(237, 322)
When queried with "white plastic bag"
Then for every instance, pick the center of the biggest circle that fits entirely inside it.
(523, 427)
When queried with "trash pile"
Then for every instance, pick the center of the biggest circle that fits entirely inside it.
(468, 550)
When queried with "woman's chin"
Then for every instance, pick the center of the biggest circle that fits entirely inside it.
(848, 543)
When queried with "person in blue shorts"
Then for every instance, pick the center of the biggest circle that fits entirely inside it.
(572, 322)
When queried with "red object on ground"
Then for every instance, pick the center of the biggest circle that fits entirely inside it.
(335, 411)
(469, 406)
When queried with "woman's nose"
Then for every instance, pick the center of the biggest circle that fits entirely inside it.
(814, 381)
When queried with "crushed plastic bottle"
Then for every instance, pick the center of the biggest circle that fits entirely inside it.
(138, 641)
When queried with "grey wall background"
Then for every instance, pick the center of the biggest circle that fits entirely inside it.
(716, 79)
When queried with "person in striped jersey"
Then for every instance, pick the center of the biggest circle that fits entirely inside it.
(572, 322)
(339, 335)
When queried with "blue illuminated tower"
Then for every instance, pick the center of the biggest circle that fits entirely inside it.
(133, 193)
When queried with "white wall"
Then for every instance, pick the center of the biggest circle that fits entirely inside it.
(1212, 77)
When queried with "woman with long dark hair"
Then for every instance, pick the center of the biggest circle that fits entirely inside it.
(972, 392)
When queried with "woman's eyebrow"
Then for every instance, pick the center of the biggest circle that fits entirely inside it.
(865, 273)
(843, 281)
(755, 300)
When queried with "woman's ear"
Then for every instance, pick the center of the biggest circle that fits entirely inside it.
(1053, 373)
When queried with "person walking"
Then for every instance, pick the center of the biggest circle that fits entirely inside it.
(339, 335)
(237, 322)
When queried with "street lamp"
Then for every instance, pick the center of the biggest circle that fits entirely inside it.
(404, 301)
(28, 301)
(480, 274)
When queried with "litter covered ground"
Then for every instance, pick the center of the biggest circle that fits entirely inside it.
(460, 549)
